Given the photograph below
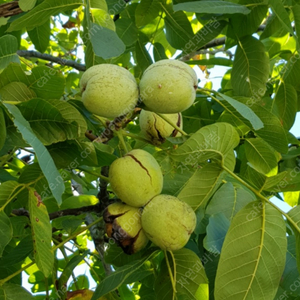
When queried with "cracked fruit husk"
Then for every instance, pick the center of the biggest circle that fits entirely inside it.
(123, 225)
(136, 177)
(108, 90)
(157, 129)
(168, 86)
(168, 222)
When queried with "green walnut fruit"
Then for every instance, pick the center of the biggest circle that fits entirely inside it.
(168, 222)
(157, 129)
(108, 90)
(136, 177)
(123, 225)
(168, 86)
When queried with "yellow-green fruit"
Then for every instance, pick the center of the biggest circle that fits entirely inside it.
(168, 222)
(108, 90)
(136, 177)
(168, 86)
(123, 224)
(157, 129)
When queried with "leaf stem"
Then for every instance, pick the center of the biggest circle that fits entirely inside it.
(171, 275)
(94, 174)
(135, 136)
(172, 124)
(76, 234)
(122, 141)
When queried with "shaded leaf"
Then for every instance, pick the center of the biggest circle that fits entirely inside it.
(178, 29)
(40, 36)
(212, 7)
(106, 43)
(45, 160)
(146, 11)
(279, 10)
(260, 155)
(253, 254)
(285, 105)
(8, 49)
(229, 199)
(2, 129)
(127, 31)
(6, 231)
(242, 112)
(190, 274)
(14, 291)
(16, 91)
(210, 142)
(250, 70)
(41, 13)
(196, 194)
(134, 271)
(143, 58)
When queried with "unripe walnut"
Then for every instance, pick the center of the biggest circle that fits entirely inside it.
(108, 90)
(168, 86)
(123, 224)
(168, 222)
(157, 129)
(136, 177)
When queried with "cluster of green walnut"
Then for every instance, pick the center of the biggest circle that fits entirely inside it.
(166, 87)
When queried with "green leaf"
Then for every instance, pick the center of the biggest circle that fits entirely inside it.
(16, 91)
(10, 291)
(26, 5)
(2, 128)
(221, 61)
(291, 272)
(106, 43)
(8, 49)
(178, 29)
(279, 10)
(250, 70)
(45, 160)
(132, 272)
(40, 36)
(69, 268)
(190, 274)
(206, 34)
(229, 199)
(46, 82)
(143, 58)
(210, 142)
(79, 201)
(6, 231)
(18, 254)
(215, 232)
(54, 120)
(127, 31)
(291, 72)
(260, 155)
(212, 7)
(159, 52)
(285, 105)
(41, 232)
(273, 132)
(253, 254)
(146, 12)
(7, 191)
(242, 112)
(294, 221)
(41, 13)
(196, 194)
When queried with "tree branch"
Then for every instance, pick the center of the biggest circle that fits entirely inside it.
(61, 213)
(48, 57)
(10, 9)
